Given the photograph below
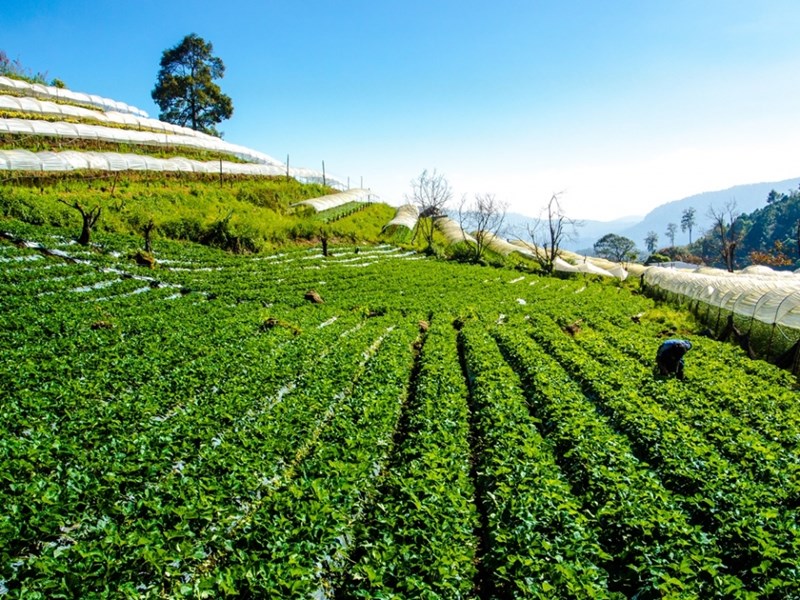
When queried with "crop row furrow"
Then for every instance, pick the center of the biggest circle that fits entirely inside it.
(418, 537)
(759, 539)
(772, 410)
(762, 458)
(652, 548)
(540, 543)
(298, 534)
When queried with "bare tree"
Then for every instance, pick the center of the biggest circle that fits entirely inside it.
(485, 215)
(550, 230)
(430, 193)
(726, 234)
(89, 217)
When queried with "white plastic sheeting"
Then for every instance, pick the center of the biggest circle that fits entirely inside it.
(559, 264)
(406, 216)
(52, 101)
(768, 296)
(498, 244)
(334, 200)
(305, 175)
(582, 264)
(49, 92)
(84, 131)
(452, 231)
(531, 249)
(24, 160)
(54, 109)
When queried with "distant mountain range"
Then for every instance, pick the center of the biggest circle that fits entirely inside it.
(748, 197)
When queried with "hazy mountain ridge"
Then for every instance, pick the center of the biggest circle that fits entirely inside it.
(748, 197)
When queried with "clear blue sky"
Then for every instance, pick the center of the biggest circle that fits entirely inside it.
(620, 104)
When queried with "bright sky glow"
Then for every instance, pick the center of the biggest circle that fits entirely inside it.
(623, 104)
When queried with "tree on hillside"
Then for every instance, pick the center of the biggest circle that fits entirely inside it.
(671, 231)
(651, 241)
(615, 247)
(430, 192)
(688, 221)
(550, 230)
(484, 216)
(185, 90)
(724, 230)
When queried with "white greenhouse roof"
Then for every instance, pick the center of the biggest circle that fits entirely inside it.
(54, 109)
(768, 296)
(452, 231)
(85, 131)
(334, 200)
(24, 160)
(49, 92)
(407, 215)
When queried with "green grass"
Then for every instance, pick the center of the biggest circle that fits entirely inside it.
(244, 213)
(241, 213)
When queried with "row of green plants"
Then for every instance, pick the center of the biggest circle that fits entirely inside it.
(652, 547)
(757, 531)
(538, 542)
(770, 406)
(715, 413)
(296, 535)
(418, 538)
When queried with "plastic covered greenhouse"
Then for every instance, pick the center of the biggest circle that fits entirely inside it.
(85, 131)
(407, 215)
(452, 231)
(46, 108)
(760, 302)
(49, 92)
(334, 200)
(24, 160)
(63, 114)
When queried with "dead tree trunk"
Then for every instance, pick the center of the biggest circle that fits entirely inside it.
(148, 241)
(89, 217)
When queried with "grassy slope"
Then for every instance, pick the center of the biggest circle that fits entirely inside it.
(189, 207)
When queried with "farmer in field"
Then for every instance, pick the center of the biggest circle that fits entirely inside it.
(670, 357)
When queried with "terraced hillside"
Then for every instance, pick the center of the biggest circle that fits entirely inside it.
(60, 150)
(429, 430)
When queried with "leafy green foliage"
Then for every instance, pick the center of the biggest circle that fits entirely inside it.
(185, 90)
(200, 429)
(615, 247)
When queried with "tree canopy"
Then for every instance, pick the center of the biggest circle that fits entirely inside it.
(688, 221)
(651, 241)
(615, 247)
(185, 90)
(672, 229)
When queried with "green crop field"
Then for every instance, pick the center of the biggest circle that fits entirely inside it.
(430, 430)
